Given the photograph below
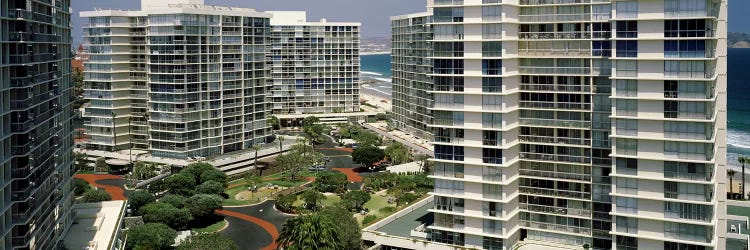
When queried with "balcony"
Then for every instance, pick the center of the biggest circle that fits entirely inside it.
(555, 227)
(555, 157)
(556, 210)
(688, 176)
(555, 87)
(555, 70)
(554, 174)
(555, 105)
(555, 192)
(555, 123)
(555, 18)
(555, 140)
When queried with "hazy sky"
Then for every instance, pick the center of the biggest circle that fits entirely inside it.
(374, 14)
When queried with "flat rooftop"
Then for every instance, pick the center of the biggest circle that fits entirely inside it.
(402, 226)
(96, 225)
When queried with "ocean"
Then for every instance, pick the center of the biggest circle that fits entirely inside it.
(379, 67)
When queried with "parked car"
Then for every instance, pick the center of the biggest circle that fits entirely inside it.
(316, 167)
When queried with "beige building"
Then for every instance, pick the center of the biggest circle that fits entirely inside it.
(98, 226)
(575, 124)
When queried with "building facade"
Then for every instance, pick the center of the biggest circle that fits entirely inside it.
(315, 66)
(576, 123)
(35, 123)
(179, 78)
(411, 67)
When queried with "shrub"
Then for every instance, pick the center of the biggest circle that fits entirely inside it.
(80, 186)
(369, 219)
(387, 210)
(151, 236)
(96, 195)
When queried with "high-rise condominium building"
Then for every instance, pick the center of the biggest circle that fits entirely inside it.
(35, 123)
(315, 65)
(178, 78)
(573, 123)
(411, 68)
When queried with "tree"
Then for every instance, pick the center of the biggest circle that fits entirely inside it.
(381, 181)
(281, 144)
(285, 202)
(196, 170)
(309, 121)
(398, 153)
(346, 225)
(381, 117)
(210, 187)
(367, 155)
(353, 200)
(100, 164)
(330, 182)
(157, 186)
(214, 241)
(309, 232)
(96, 195)
(742, 161)
(252, 179)
(144, 171)
(160, 212)
(181, 183)
(177, 201)
(140, 198)
(366, 138)
(731, 173)
(150, 236)
(405, 198)
(80, 186)
(256, 147)
(424, 163)
(274, 122)
(292, 163)
(202, 205)
(313, 199)
(80, 161)
(213, 175)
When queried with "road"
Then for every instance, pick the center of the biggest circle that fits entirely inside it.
(399, 139)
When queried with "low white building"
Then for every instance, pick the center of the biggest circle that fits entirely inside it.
(97, 226)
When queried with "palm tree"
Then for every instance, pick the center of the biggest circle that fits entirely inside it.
(130, 138)
(281, 144)
(256, 147)
(114, 132)
(742, 161)
(309, 232)
(731, 173)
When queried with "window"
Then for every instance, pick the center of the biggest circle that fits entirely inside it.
(490, 138)
(448, 118)
(687, 171)
(679, 210)
(492, 13)
(448, 49)
(627, 243)
(627, 88)
(492, 49)
(492, 191)
(688, 28)
(491, 120)
(602, 12)
(682, 246)
(451, 153)
(627, 68)
(685, 49)
(492, 31)
(492, 102)
(492, 173)
(445, 169)
(492, 84)
(627, 127)
(449, 187)
(492, 227)
(492, 155)
(627, 48)
(627, 29)
(627, 225)
(681, 231)
(686, 130)
(688, 150)
(449, 203)
(449, 66)
(685, 8)
(448, 14)
(687, 191)
(626, 107)
(627, 205)
(627, 9)
(627, 146)
(492, 67)
(602, 48)
(627, 166)
(449, 32)
(490, 243)
(449, 83)
(627, 186)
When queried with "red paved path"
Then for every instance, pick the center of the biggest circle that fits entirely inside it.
(117, 193)
(268, 226)
(350, 174)
(348, 150)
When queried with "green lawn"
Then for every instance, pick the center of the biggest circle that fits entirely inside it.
(377, 202)
(257, 197)
(329, 201)
(211, 228)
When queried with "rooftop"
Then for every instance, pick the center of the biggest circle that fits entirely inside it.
(403, 226)
(96, 225)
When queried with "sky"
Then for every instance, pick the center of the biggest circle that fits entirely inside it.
(373, 14)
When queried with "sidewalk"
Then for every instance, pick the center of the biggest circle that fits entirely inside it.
(421, 145)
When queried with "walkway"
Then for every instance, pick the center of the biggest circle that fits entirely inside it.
(112, 184)
(350, 174)
(254, 227)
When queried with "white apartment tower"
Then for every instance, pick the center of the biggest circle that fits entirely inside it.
(178, 78)
(573, 123)
(315, 66)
